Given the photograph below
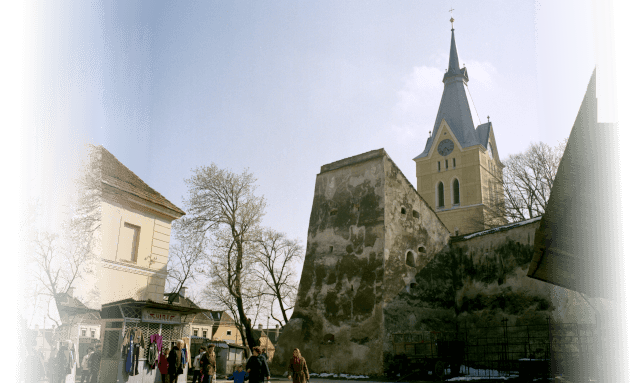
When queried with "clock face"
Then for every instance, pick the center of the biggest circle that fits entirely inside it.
(445, 147)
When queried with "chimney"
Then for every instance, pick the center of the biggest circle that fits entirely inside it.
(260, 326)
(70, 291)
(183, 292)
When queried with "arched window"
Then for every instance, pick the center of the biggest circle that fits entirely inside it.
(440, 194)
(455, 192)
(410, 261)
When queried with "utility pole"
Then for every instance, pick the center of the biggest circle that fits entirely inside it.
(267, 337)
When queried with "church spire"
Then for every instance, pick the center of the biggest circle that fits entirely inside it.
(453, 60)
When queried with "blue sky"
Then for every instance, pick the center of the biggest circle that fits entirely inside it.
(284, 87)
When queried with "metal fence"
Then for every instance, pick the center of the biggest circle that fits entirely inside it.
(537, 351)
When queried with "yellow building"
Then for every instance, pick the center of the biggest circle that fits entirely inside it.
(459, 171)
(225, 329)
(135, 232)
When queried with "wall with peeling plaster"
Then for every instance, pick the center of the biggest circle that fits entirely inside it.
(362, 226)
(478, 282)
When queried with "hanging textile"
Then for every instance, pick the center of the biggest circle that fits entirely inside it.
(152, 355)
(129, 353)
(158, 339)
(187, 345)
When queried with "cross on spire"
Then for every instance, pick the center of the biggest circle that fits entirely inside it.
(488, 118)
(452, 19)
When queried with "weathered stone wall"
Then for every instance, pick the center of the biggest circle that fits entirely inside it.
(480, 281)
(335, 321)
(358, 240)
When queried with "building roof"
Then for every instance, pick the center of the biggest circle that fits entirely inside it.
(497, 229)
(201, 317)
(71, 307)
(117, 175)
(456, 106)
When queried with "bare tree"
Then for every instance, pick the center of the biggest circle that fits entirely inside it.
(521, 188)
(223, 205)
(186, 260)
(277, 255)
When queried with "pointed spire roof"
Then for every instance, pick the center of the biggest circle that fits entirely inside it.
(456, 106)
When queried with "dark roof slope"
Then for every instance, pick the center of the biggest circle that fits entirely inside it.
(117, 175)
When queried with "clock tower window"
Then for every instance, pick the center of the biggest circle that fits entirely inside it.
(440, 195)
(446, 164)
(438, 166)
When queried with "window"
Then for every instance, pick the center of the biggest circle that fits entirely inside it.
(416, 214)
(446, 163)
(128, 242)
(454, 163)
(204, 333)
(195, 332)
(410, 261)
(438, 166)
(92, 333)
(440, 195)
(403, 210)
(455, 192)
(228, 332)
(83, 332)
(333, 211)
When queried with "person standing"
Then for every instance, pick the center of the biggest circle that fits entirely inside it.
(94, 363)
(197, 378)
(207, 364)
(85, 366)
(163, 364)
(298, 368)
(257, 367)
(174, 360)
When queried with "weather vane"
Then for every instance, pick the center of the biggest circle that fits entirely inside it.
(452, 19)
(488, 118)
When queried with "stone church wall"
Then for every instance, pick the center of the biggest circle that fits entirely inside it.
(480, 281)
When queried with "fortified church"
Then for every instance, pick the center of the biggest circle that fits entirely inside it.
(384, 257)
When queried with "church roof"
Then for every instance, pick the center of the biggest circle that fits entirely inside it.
(456, 106)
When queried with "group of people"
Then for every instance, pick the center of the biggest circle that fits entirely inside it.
(257, 370)
(171, 365)
(62, 361)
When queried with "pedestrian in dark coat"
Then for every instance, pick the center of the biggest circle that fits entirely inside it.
(207, 364)
(257, 367)
(95, 364)
(62, 364)
(298, 368)
(174, 360)
(163, 365)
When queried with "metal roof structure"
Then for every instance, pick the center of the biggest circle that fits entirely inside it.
(457, 107)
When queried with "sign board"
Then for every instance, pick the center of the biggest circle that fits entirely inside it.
(160, 316)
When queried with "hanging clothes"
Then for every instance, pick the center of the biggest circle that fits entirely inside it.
(158, 339)
(187, 345)
(135, 357)
(129, 353)
(152, 355)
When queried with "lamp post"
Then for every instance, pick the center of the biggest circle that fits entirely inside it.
(267, 338)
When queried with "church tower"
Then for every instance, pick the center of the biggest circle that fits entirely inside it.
(459, 172)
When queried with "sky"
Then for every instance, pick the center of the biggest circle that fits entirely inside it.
(284, 87)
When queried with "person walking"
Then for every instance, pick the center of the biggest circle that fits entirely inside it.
(257, 367)
(207, 364)
(298, 368)
(50, 365)
(197, 377)
(85, 366)
(163, 365)
(62, 366)
(174, 361)
(238, 375)
(94, 363)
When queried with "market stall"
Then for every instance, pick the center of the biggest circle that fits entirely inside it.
(132, 332)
